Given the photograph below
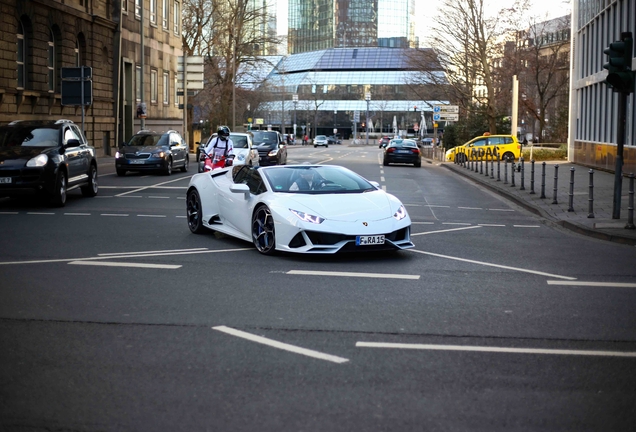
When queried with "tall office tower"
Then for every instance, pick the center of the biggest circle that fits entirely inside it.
(396, 24)
(321, 24)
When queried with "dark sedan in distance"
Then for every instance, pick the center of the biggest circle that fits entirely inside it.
(403, 151)
(270, 146)
(153, 151)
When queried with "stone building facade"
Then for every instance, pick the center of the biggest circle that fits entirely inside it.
(40, 37)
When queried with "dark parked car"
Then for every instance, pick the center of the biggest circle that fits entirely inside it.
(270, 146)
(334, 140)
(402, 151)
(153, 151)
(47, 157)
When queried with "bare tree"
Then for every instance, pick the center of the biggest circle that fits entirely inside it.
(466, 41)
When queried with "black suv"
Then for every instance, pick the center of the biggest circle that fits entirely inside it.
(153, 151)
(48, 157)
(270, 146)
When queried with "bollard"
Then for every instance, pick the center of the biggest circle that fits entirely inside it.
(571, 194)
(505, 172)
(498, 168)
(512, 174)
(630, 209)
(492, 166)
(590, 200)
(556, 179)
(543, 180)
(522, 187)
(532, 177)
(481, 165)
(487, 158)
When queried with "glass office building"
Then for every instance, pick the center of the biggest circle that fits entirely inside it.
(322, 24)
(594, 125)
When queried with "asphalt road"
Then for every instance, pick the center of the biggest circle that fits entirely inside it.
(114, 317)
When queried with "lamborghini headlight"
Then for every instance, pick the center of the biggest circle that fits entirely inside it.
(400, 213)
(306, 217)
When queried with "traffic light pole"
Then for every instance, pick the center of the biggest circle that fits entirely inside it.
(620, 141)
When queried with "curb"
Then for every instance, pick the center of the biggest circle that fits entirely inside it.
(571, 226)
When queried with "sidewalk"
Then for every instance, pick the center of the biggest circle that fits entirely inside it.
(600, 226)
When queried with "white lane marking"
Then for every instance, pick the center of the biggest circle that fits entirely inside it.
(413, 205)
(455, 223)
(159, 197)
(137, 187)
(151, 252)
(492, 265)
(384, 188)
(104, 196)
(595, 284)
(470, 208)
(181, 217)
(491, 225)
(280, 345)
(352, 274)
(129, 196)
(122, 264)
(40, 213)
(504, 210)
(113, 214)
(527, 226)
(496, 349)
(9, 213)
(431, 205)
(124, 256)
(422, 223)
(152, 186)
(180, 197)
(153, 216)
(447, 230)
(77, 214)
(381, 178)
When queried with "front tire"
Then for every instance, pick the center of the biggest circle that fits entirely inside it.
(186, 164)
(90, 190)
(121, 172)
(508, 157)
(263, 234)
(58, 197)
(168, 170)
(194, 212)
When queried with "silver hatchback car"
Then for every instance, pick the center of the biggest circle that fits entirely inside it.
(321, 140)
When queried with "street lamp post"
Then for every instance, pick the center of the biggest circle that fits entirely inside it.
(295, 104)
(335, 113)
(367, 97)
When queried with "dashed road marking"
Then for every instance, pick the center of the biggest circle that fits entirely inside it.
(126, 264)
(594, 284)
(280, 345)
(443, 231)
(495, 349)
(352, 274)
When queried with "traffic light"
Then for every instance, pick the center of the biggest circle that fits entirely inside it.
(620, 77)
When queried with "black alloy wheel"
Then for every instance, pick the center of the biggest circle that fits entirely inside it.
(58, 197)
(90, 190)
(508, 157)
(186, 164)
(193, 210)
(263, 230)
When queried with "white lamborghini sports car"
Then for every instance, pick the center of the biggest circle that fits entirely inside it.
(319, 209)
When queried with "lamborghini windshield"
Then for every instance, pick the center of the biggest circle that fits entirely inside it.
(316, 179)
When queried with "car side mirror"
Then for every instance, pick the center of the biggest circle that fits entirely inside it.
(241, 188)
(72, 143)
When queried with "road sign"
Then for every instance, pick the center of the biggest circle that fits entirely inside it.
(356, 116)
(77, 87)
(452, 109)
(445, 117)
(76, 73)
(193, 71)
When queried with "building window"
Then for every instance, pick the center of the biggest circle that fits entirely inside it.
(138, 8)
(21, 55)
(76, 53)
(176, 91)
(176, 18)
(153, 11)
(165, 13)
(166, 88)
(153, 86)
(50, 62)
(138, 83)
(124, 5)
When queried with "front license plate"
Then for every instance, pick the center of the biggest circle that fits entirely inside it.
(136, 161)
(5, 180)
(369, 240)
